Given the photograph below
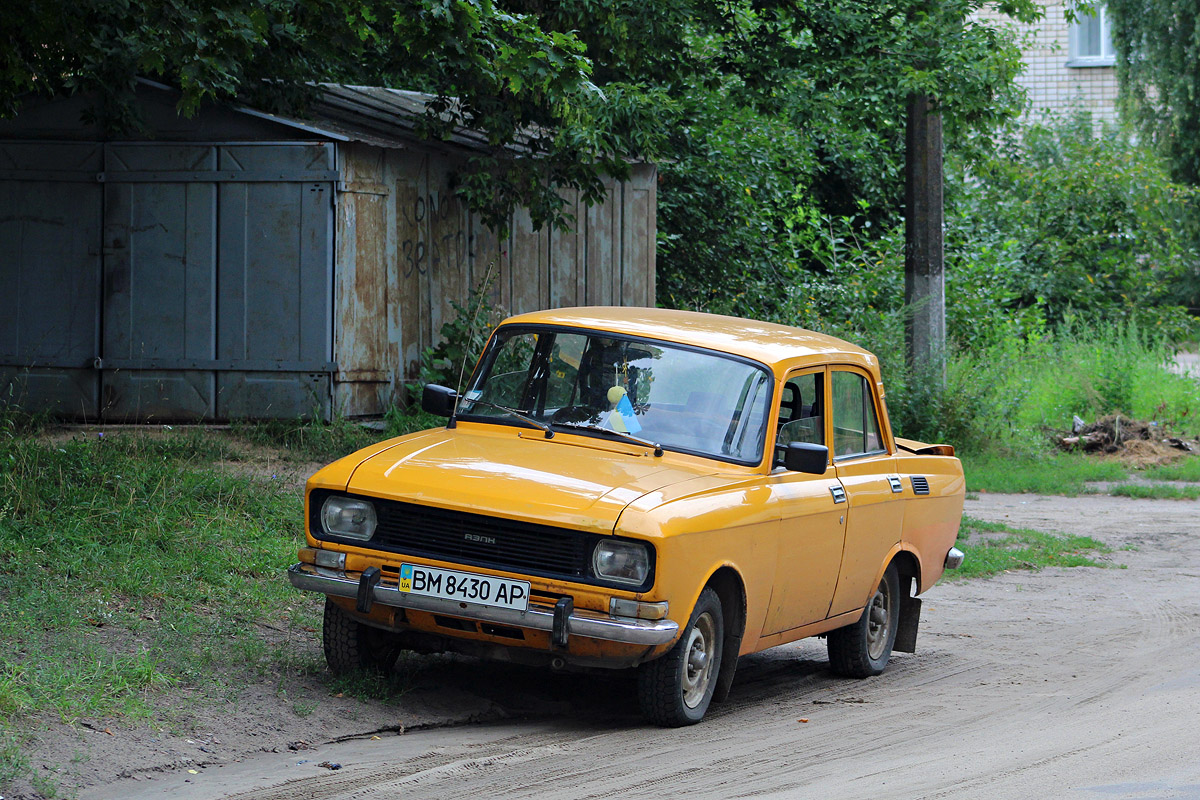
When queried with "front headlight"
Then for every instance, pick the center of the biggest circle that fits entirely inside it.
(621, 561)
(348, 517)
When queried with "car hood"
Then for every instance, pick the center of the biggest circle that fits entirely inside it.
(570, 481)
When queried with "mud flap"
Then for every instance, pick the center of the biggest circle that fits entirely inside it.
(906, 629)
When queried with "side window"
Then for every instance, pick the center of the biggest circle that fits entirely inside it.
(855, 426)
(801, 418)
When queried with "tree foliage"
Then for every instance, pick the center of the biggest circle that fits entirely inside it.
(568, 90)
(492, 70)
(1158, 69)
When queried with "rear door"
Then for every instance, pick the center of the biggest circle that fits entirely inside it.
(867, 471)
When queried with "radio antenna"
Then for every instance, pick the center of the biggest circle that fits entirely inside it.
(484, 287)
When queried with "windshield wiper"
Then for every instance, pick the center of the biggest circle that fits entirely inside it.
(512, 412)
(590, 426)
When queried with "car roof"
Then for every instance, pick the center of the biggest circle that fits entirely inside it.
(762, 341)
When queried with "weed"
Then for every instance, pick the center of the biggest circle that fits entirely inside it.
(307, 441)
(387, 687)
(1064, 474)
(14, 765)
(304, 708)
(992, 548)
(1186, 470)
(1160, 491)
(140, 568)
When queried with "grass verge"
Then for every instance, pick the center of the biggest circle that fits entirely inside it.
(1186, 470)
(992, 548)
(129, 565)
(322, 442)
(1156, 491)
(1065, 474)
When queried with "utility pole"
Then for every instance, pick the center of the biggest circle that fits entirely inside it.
(924, 265)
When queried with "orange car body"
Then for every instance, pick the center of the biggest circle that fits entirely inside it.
(791, 554)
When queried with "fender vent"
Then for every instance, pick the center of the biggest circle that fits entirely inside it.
(920, 484)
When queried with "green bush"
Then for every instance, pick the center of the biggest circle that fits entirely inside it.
(1068, 224)
(450, 361)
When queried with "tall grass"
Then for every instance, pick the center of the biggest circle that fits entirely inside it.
(1010, 395)
(128, 563)
(309, 441)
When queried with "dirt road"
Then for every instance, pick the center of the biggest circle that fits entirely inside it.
(1079, 683)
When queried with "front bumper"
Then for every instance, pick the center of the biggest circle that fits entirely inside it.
(581, 622)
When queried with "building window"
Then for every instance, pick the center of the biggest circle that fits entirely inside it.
(1091, 40)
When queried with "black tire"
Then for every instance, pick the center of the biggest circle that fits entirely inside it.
(351, 646)
(863, 649)
(676, 689)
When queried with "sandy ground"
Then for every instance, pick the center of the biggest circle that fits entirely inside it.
(1078, 683)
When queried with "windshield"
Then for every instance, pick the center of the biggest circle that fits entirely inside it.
(695, 401)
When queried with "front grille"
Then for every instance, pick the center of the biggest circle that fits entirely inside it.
(478, 539)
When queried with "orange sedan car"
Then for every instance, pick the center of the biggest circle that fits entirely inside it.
(638, 488)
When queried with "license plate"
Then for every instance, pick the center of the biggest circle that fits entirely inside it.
(468, 587)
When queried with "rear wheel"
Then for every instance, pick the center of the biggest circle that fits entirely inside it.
(351, 646)
(676, 690)
(863, 649)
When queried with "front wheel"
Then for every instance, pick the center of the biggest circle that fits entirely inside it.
(676, 689)
(351, 646)
(863, 649)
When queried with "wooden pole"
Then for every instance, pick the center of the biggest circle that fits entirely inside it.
(924, 266)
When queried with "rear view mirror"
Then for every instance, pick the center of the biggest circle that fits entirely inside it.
(806, 457)
(438, 400)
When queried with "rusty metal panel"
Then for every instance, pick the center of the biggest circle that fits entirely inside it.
(528, 266)
(275, 281)
(449, 277)
(360, 318)
(638, 235)
(437, 252)
(410, 268)
(645, 176)
(159, 282)
(565, 260)
(50, 266)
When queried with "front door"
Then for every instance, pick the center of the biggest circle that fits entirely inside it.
(813, 525)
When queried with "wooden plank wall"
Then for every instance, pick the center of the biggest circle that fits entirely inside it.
(434, 251)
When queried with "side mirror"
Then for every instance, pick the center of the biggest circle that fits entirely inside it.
(806, 457)
(438, 400)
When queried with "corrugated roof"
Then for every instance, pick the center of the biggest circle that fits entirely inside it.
(375, 115)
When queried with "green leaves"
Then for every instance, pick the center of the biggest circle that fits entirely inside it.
(1158, 67)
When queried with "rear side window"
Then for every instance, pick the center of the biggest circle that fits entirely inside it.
(855, 424)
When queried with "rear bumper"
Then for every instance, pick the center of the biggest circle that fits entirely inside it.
(954, 558)
(589, 624)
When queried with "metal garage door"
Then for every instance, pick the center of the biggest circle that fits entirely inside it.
(214, 299)
(50, 224)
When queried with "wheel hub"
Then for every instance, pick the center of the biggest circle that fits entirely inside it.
(879, 622)
(697, 668)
